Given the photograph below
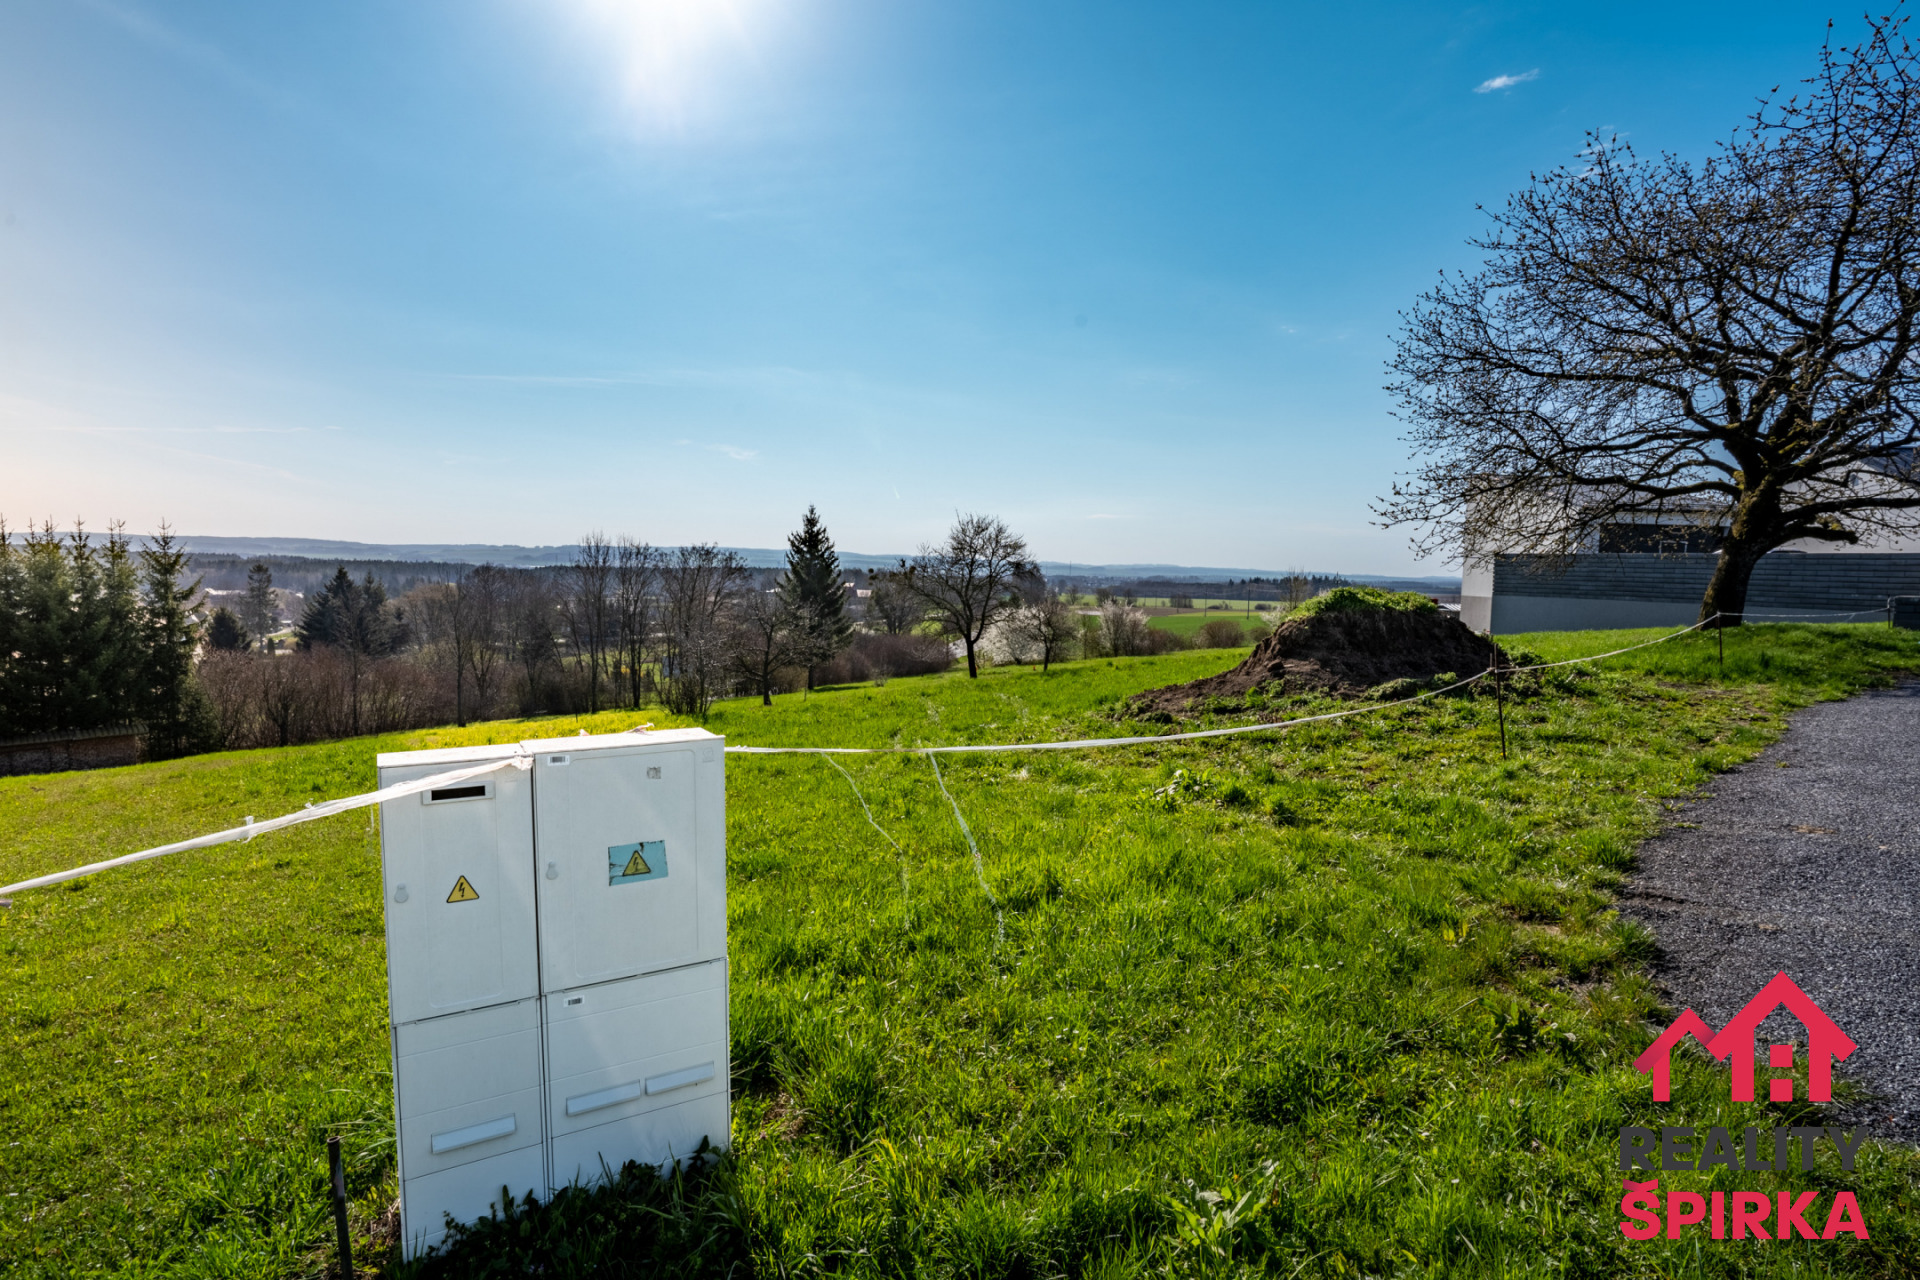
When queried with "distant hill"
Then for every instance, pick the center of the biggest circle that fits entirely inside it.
(462, 553)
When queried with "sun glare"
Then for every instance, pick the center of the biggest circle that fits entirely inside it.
(667, 52)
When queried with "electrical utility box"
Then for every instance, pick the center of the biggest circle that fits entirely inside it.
(556, 967)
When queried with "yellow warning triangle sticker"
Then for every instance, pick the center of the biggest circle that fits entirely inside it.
(637, 866)
(462, 892)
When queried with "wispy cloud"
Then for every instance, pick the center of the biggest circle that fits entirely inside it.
(1506, 82)
(149, 29)
(735, 452)
(773, 376)
(37, 420)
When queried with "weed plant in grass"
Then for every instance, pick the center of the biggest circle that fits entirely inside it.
(1344, 1000)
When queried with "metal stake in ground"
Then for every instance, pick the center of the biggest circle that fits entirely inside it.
(342, 1243)
(1500, 696)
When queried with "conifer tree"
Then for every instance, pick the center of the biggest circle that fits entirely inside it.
(813, 594)
(70, 647)
(177, 715)
(12, 604)
(353, 617)
(39, 659)
(259, 610)
(225, 631)
(104, 641)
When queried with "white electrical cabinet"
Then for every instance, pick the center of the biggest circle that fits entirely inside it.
(556, 966)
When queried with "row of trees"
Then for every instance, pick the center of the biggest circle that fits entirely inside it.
(638, 623)
(94, 634)
(97, 633)
(625, 624)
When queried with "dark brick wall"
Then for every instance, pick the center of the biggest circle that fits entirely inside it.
(54, 753)
(1782, 581)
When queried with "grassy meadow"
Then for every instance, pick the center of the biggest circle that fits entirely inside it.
(1345, 1000)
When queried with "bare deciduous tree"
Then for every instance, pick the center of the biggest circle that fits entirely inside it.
(891, 606)
(443, 610)
(463, 621)
(700, 584)
(636, 584)
(282, 699)
(588, 607)
(532, 614)
(487, 590)
(1731, 342)
(1050, 626)
(766, 637)
(968, 581)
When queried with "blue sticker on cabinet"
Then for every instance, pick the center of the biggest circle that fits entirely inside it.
(629, 863)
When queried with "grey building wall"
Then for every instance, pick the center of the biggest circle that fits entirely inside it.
(1602, 592)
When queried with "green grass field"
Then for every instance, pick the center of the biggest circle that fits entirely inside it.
(1347, 1000)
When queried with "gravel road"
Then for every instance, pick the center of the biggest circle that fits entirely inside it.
(1807, 860)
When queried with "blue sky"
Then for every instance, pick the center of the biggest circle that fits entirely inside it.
(507, 271)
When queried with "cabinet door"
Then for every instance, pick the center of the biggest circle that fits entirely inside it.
(631, 856)
(658, 1138)
(467, 1087)
(640, 1044)
(621, 1051)
(457, 867)
(468, 1192)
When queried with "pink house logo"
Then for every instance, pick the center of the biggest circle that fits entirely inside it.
(1826, 1045)
(1742, 1214)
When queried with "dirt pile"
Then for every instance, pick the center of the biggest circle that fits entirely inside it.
(1344, 643)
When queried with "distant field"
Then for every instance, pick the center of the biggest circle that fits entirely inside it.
(1363, 974)
(1200, 603)
(1186, 624)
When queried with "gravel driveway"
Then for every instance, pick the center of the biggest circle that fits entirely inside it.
(1807, 860)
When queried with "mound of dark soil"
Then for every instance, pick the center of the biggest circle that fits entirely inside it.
(1345, 653)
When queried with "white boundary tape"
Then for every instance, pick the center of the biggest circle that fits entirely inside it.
(315, 812)
(905, 897)
(1081, 743)
(979, 867)
(312, 813)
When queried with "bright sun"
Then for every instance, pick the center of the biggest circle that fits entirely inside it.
(665, 49)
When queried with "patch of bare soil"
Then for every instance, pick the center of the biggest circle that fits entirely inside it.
(1345, 653)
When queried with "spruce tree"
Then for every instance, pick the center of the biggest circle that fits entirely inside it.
(225, 631)
(259, 610)
(86, 638)
(121, 608)
(17, 669)
(12, 597)
(813, 593)
(354, 618)
(102, 629)
(176, 711)
(39, 656)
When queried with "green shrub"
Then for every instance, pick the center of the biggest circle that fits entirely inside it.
(1220, 633)
(1366, 600)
